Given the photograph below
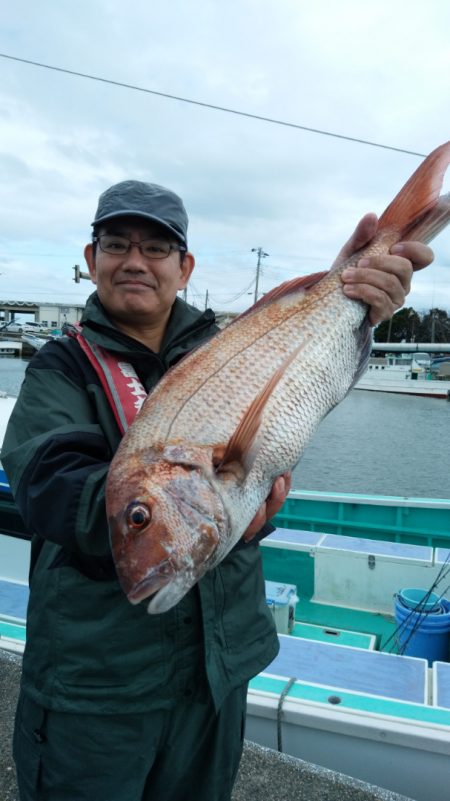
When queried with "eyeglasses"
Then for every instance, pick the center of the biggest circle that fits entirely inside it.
(151, 248)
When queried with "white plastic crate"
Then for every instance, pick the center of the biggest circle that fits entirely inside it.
(282, 600)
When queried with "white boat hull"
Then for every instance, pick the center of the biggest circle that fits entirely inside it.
(405, 374)
(405, 386)
(405, 757)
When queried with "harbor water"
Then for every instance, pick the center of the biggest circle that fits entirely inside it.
(373, 442)
(382, 444)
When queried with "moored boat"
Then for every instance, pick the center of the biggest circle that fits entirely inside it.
(10, 347)
(33, 342)
(403, 375)
(408, 369)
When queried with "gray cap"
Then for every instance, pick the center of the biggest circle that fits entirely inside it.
(150, 201)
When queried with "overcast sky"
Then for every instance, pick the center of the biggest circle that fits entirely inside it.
(373, 71)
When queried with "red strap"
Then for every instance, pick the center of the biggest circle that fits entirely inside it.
(119, 379)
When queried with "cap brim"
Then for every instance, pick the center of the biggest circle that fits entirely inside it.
(152, 217)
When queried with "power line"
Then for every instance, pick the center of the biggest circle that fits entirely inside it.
(247, 114)
(235, 297)
(15, 253)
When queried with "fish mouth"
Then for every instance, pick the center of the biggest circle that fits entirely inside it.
(155, 580)
(171, 593)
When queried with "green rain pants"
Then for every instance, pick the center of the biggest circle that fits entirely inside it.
(184, 752)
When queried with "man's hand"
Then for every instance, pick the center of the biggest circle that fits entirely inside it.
(381, 281)
(271, 505)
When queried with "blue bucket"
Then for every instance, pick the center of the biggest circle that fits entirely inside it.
(425, 601)
(424, 634)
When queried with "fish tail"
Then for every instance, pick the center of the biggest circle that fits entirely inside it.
(432, 222)
(417, 211)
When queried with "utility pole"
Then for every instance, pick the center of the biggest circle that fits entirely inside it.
(206, 299)
(261, 255)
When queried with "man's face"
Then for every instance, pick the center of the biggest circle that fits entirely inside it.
(136, 289)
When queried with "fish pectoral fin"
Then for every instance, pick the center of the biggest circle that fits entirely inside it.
(226, 465)
(240, 453)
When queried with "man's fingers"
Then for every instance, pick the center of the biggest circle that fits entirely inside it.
(417, 253)
(380, 303)
(256, 524)
(271, 506)
(382, 282)
(363, 233)
(391, 274)
(278, 494)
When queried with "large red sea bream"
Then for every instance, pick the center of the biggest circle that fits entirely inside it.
(203, 452)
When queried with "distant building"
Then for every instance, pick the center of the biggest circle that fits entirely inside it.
(52, 315)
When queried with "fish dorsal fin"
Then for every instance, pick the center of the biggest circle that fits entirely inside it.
(304, 283)
(420, 193)
(240, 453)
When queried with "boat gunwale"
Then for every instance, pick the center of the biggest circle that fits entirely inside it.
(370, 500)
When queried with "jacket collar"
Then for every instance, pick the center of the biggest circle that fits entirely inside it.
(184, 324)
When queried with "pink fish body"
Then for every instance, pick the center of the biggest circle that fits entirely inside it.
(210, 439)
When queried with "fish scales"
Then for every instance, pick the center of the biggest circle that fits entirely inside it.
(232, 354)
(221, 364)
(203, 452)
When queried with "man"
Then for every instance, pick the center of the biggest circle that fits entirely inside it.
(116, 704)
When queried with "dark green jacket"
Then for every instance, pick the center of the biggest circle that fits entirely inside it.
(88, 649)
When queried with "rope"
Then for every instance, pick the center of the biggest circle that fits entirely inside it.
(280, 710)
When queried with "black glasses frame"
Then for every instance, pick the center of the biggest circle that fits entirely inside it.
(169, 245)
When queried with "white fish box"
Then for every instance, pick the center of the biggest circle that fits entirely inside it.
(282, 600)
(365, 574)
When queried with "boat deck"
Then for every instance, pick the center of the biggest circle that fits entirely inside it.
(13, 607)
(356, 677)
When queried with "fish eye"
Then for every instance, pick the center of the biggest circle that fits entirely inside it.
(137, 515)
